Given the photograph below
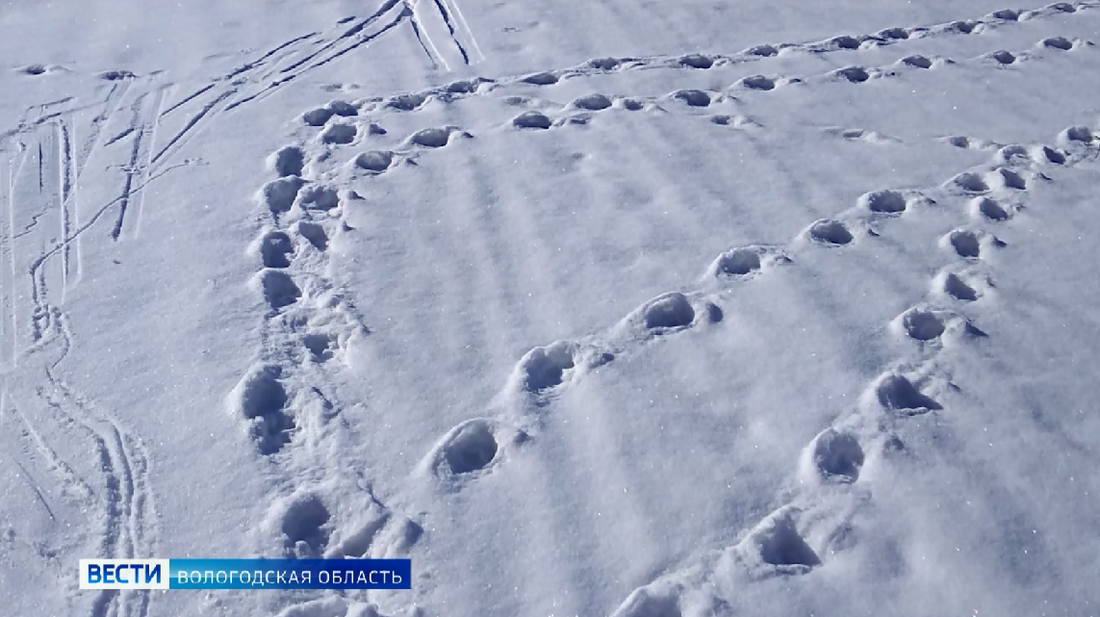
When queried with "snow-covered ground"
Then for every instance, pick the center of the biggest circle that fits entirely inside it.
(610, 308)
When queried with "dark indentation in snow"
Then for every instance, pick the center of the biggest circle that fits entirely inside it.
(922, 325)
(696, 61)
(316, 197)
(1058, 42)
(965, 27)
(1063, 7)
(854, 74)
(971, 182)
(260, 398)
(303, 526)
(278, 288)
(468, 86)
(838, 455)
(375, 160)
(544, 367)
(844, 42)
(541, 79)
(471, 448)
(531, 120)
(313, 233)
(320, 345)
(605, 64)
(917, 61)
(672, 310)
(957, 288)
(1006, 14)
(116, 75)
(1078, 133)
(339, 134)
(431, 137)
(898, 34)
(758, 82)
(274, 248)
(317, 117)
(714, 313)
(1011, 179)
(33, 69)
(830, 231)
(593, 102)
(287, 161)
(406, 102)
(694, 98)
(782, 545)
(279, 195)
(632, 104)
(965, 243)
(1053, 155)
(738, 262)
(342, 108)
(886, 201)
(898, 393)
(990, 209)
(762, 50)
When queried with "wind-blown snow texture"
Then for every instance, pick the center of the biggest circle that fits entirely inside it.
(632, 309)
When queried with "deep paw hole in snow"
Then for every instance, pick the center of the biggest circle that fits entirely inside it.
(375, 160)
(844, 42)
(274, 248)
(320, 346)
(278, 288)
(830, 232)
(593, 102)
(340, 133)
(304, 524)
(531, 120)
(990, 209)
(472, 448)
(897, 392)
(854, 74)
(288, 161)
(889, 202)
(971, 182)
(782, 545)
(838, 455)
(957, 288)
(279, 195)
(670, 311)
(1058, 42)
(758, 82)
(739, 262)
(694, 98)
(545, 367)
(965, 243)
(919, 62)
(696, 61)
(314, 233)
(431, 137)
(922, 325)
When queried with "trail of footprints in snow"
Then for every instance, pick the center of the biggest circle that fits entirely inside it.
(816, 519)
(309, 321)
(581, 110)
(791, 539)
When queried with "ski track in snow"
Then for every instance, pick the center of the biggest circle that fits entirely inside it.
(285, 402)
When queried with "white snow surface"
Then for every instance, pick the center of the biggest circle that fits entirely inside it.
(621, 308)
